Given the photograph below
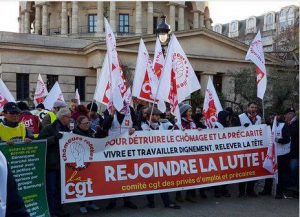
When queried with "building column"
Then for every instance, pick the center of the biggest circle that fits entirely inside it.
(64, 19)
(201, 24)
(37, 21)
(75, 17)
(204, 79)
(112, 15)
(208, 22)
(181, 17)
(20, 24)
(172, 16)
(100, 17)
(196, 20)
(150, 18)
(138, 17)
(45, 20)
(27, 22)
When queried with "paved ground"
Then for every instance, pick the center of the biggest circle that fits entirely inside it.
(263, 206)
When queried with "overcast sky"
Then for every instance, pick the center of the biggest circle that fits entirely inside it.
(221, 11)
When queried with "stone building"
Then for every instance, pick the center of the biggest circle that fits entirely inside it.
(270, 24)
(85, 19)
(73, 56)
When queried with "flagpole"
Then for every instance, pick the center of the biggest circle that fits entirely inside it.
(163, 51)
(154, 100)
(263, 109)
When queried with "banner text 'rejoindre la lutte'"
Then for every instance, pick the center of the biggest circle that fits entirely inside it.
(160, 161)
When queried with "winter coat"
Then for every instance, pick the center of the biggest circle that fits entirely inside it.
(49, 133)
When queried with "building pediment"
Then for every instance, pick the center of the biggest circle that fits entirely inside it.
(201, 43)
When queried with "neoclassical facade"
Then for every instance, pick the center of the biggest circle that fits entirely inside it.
(63, 41)
(85, 19)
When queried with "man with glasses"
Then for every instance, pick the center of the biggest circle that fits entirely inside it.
(11, 130)
(52, 134)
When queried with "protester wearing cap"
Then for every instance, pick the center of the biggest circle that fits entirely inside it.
(187, 123)
(152, 122)
(155, 123)
(11, 130)
(293, 128)
(52, 134)
(51, 116)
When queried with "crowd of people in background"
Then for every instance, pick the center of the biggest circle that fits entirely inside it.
(19, 124)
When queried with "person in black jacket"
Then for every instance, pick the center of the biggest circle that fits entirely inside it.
(293, 128)
(199, 120)
(52, 134)
(14, 203)
(224, 121)
(117, 123)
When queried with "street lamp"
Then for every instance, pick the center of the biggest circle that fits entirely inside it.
(163, 31)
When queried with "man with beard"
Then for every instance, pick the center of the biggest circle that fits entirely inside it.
(248, 118)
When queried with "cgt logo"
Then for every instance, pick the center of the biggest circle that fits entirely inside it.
(78, 187)
(79, 151)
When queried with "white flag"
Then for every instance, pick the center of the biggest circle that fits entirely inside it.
(77, 96)
(256, 55)
(158, 60)
(54, 95)
(146, 82)
(158, 63)
(178, 77)
(270, 162)
(102, 92)
(40, 91)
(212, 105)
(118, 83)
(5, 95)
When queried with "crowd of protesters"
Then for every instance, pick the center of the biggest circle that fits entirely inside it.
(21, 125)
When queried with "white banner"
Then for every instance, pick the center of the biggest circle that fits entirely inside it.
(160, 161)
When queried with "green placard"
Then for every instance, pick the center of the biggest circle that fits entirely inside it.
(27, 163)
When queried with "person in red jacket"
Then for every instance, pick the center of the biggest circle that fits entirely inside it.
(32, 122)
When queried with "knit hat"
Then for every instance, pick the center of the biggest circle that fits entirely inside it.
(59, 104)
(155, 111)
(183, 108)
